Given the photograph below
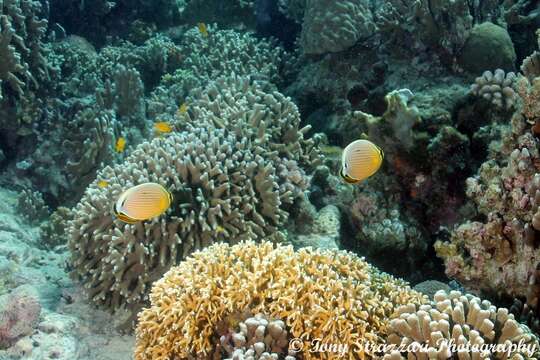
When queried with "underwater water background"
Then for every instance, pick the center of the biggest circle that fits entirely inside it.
(268, 179)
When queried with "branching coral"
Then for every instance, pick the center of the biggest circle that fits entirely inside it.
(221, 53)
(54, 231)
(453, 322)
(333, 296)
(32, 207)
(261, 113)
(225, 189)
(21, 30)
(497, 87)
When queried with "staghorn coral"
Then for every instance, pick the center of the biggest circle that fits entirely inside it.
(258, 338)
(454, 320)
(333, 26)
(497, 87)
(301, 288)
(226, 189)
(32, 207)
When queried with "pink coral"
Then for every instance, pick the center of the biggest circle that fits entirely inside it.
(19, 315)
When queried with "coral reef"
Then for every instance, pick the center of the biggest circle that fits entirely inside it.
(502, 247)
(53, 232)
(258, 338)
(496, 87)
(32, 206)
(299, 288)
(24, 71)
(488, 46)
(333, 26)
(261, 113)
(457, 320)
(226, 186)
(19, 315)
(204, 59)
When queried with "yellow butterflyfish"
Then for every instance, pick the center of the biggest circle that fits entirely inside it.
(120, 144)
(202, 29)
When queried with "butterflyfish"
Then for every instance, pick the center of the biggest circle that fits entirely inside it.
(142, 202)
(120, 144)
(162, 127)
(202, 29)
(360, 160)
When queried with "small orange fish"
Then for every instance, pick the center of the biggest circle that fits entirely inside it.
(183, 108)
(202, 29)
(162, 127)
(102, 184)
(120, 144)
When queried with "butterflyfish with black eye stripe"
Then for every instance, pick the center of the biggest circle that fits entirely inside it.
(142, 202)
(360, 160)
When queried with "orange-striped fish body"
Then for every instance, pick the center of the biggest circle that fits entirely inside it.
(142, 202)
(360, 160)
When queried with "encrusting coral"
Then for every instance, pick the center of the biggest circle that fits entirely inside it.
(453, 322)
(329, 295)
(500, 254)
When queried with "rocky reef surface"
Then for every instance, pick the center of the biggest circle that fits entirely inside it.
(43, 314)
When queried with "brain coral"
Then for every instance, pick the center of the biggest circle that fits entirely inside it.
(331, 295)
(224, 189)
(454, 319)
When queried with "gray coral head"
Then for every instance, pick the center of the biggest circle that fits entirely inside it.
(227, 190)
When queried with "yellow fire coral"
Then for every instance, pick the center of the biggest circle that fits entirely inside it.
(327, 295)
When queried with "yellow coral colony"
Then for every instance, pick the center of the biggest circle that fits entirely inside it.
(319, 294)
